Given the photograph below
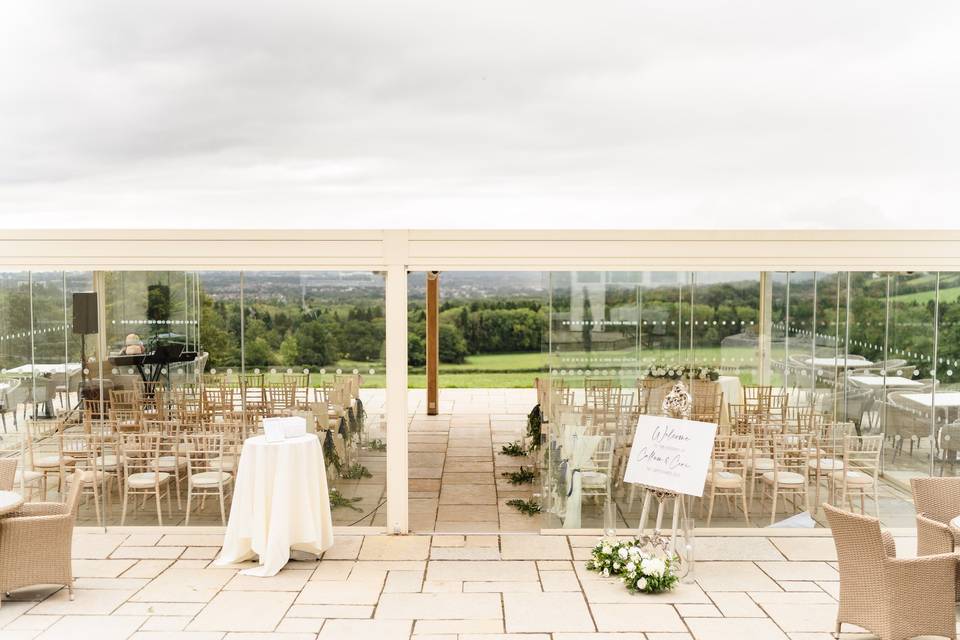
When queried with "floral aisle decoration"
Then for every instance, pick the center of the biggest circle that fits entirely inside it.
(660, 370)
(642, 564)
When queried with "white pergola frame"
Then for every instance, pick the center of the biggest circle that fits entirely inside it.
(395, 252)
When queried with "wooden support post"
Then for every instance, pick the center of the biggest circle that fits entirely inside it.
(433, 342)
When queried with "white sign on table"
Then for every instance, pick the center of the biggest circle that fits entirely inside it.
(671, 454)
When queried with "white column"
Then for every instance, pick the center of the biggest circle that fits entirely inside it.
(395, 250)
(765, 330)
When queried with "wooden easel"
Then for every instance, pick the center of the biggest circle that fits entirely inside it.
(661, 495)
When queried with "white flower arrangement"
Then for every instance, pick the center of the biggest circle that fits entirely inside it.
(639, 567)
(675, 372)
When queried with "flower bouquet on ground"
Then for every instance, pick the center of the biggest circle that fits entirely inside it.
(643, 564)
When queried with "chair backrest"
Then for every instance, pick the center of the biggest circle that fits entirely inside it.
(729, 454)
(860, 549)
(8, 471)
(280, 396)
(832, 436)
(862, 453)
(602, 458)
(757, 395)
(204, 452)
(939, 498)
(653, 395)
(790, 453)
(153, 398)
(81, 447)
(140, 453)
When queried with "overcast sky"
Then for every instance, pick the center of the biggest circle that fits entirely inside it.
(446, 113)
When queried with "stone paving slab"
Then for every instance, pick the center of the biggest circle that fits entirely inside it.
(156, 585)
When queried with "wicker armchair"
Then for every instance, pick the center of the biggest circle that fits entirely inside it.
(894, 598)
(35, 543)
(8, 472)
(937, 501)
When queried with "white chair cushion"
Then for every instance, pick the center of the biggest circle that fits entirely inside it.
(209, 478)
(594, 478)
(89, 476)
(826, 464)
(108, 461)
(761, 464)
(725, 480)
(52, 461)
(28, 476)
(170, 463)
(228, 464)
(146, 480)
(784, 477)
(853, 477)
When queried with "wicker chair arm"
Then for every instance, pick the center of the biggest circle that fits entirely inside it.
(39, 533)
(889, 545)
(30, 509)
(933, 536)
(920, 579)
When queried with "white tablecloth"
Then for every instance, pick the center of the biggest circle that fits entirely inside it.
(731, 388)
(9, 501)
(888, 381)
(942, 400)
(851, 362)
(28, 370)
(280, 502)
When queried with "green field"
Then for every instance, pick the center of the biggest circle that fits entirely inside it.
(950, 294)
(518, 370)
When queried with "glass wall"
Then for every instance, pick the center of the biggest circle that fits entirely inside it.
(184, 355)
(617, 341)
(875, 351)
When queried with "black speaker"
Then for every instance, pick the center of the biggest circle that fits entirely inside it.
(85, 313)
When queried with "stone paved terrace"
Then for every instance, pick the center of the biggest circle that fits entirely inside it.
(158, 584)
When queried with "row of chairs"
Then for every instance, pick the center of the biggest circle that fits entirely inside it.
(787, 466)
(158, 463)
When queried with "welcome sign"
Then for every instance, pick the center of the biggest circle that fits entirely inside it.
(671, 454)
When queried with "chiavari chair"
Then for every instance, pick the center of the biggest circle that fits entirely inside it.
(254, 396)
(206, 474)
(86, 464)
(860, 472)
(827, 453)
(46, 457)
(141, 475)
(280, 397)
(153, 399)
(20, 449)
(301, 384)
(727, 476)
(788, 478)
(125, 410)
(219, 402)
(232, 433)
(707, 401)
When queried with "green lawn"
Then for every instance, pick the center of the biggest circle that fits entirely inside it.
(950, 294)
(518, 370)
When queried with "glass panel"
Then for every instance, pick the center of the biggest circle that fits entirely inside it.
(319, 335)
(15, 359)
(948, 374)
(910, 392)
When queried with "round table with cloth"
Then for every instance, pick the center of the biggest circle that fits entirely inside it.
(10, 501)
(280, 501)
